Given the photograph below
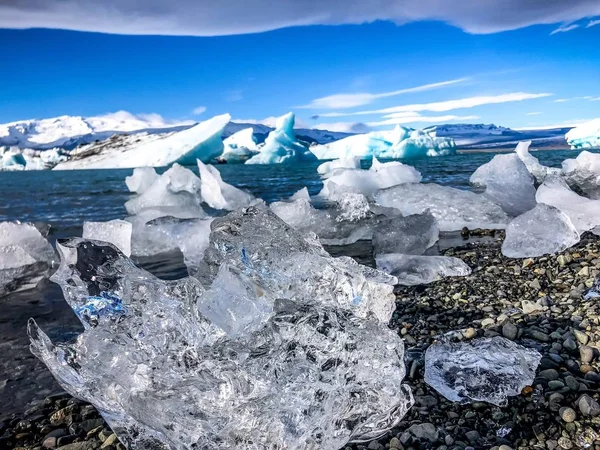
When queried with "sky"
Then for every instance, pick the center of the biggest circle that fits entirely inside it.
(339, 65)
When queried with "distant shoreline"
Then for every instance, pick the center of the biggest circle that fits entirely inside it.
(510, 149)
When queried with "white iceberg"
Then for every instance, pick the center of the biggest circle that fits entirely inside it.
(452, 208)
(507, 182)
(417, 269)
(401, 142)
(584, 173)
(141, 179)
(543, 230)
(117, 232)
(330, 166)
(281, 145)
(586, 135)
(12, 159)
(202, 141)
(239, 147)
(218, 194)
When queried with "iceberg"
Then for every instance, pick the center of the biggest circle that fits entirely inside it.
(26, 257)
(12, 159)
(586, 135)
(452, 208)
(410, 235)
(583, 172)
(508, 183)
(281, 145)
(202, 141)
(543, 230)
(401, 142)
(239, 147)
(416, 269)
(330, 166)
(117, 232)
(539, 171)
(482, 370)
(267, 355)
(218, 194)
(141, 179)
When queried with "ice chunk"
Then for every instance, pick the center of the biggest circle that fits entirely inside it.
(544, 229)
(401, 142)
(452, 208)
(539, 171)
(218, 194)
(330, 166)
(117, 232)
(26, 256)
(301, 194)
(482, 370)
(141, 179)
(583, 212)
(583, 172)
(586, 135)
(239, 147)
(416, 269)
(12, 159)
(410, 235)
(238, 366)
(508, 183)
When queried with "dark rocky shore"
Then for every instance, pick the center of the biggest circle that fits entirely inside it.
(537, 302)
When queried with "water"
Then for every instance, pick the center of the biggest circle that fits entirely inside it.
(66, 199)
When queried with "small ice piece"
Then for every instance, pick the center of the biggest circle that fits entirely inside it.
(508, 183)
(239, 147)
(586, 135)
(26, 256)
(416, 269)
(117, 232)
(141, 179)
(281, 145)
(539, 171)
(583, 212)
(481, 370)
(218, 194)
(452, 208)
(301, 194)
(411, 235)
(583, 172)
(543, 230)
(330, 166)
(594, 291)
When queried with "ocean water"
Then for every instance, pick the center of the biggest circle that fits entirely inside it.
(65, 199)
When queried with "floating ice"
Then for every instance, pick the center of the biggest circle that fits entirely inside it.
(271, 356)
(585, 136)
(25, 256)
(12, 159)
(239, 147)
(411, 235)
(482, 370)
(218, 194)
(117, 232)
(583, 212)
(508, 183)
(416, 269)
(281, 145)
(543, 230)
(141, 179)
(399, 143)
(452, 208)
(533, 165)
(330, 166)
(583, 172)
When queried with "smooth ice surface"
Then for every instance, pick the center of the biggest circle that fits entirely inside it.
(282, 146)
(583, 172)
(218, 194)
(452, 208)
(416, 269)
(411, 235)
(482, 370)
(583, 212)
(25, 256)
(544, 229)
(268, 355)
(117, 232)
(239, 147)
(367, 182)
(141, 179)
(533, 165)
(401, 142)
(330, 166)
(508, 183)
(585, 136)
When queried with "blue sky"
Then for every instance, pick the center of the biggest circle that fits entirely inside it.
(529, 76)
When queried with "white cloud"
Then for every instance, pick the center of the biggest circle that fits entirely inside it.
(344, 127)
(448, 105)
(343, 101)
(565, 28)
(199, 110)
(534, 113)
(419, 118)
(225, 17)
(595, 99)
(586, 97)
(593, 23)
(561, 100)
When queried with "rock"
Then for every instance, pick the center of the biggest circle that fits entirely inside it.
(565, 443)
(424, 431)
(472, 435)
(86, 445)
(581, 337)
(510, 330)
(588, 406)
(570, 344)
(586, 354)
(549, 374)
(572, 383)
(395, 443)
(109, 441)
(470, 333)
(567, 414)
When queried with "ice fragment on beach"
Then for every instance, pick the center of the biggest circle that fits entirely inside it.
(533, 165)
(416, 269)
(508, 183)
(411, 235)
(540, 231)
(330, 166)
(486, 369)
(141, 179)
(218, 194)
(583, 172)
(270, 356)
(117, 232)
(452, 208)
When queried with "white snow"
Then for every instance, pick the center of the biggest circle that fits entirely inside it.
(586, 135)
(117, 232)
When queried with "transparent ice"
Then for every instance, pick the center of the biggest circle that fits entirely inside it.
(410, 235)
(481, 370)
(330, 166)
(583, 173)
(117, 232)
(218, 194)
(141, 179)
(539, 171)
(417, 269)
